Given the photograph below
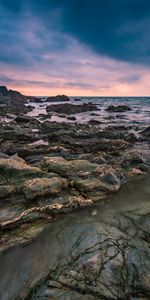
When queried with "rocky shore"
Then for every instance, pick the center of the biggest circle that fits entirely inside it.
(49, 169)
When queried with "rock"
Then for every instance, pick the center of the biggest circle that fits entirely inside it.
(11, 116)
(134, 172)
(132, 159)
(71, 118)
(67, 168)
(111, 179)
(14, 169)
(69, 108)
(146, 132)
(77, 99)
(95, 122)
(94, 114)
(94, 184)
(119, 108)
(143, 167)
(58, 98)
(39, 187)
(3, 90)
(3, 155)
(131, 137)
(23, 119)
(7, 190)
(18, 135)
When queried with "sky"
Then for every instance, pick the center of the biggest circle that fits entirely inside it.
(75, 47)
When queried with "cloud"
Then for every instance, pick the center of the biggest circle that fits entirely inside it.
(131, 79)
(78, 47)
(118, 29)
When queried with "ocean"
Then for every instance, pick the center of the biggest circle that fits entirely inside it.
(139, 114)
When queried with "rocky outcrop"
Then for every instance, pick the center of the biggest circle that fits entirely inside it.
(88, 178)
(119, 108)
(39, 187)
(58, 98)
(13, 102)
(109, 261)
(69, 108)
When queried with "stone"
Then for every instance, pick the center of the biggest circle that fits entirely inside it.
(23, 119)
(39, 187)
(69, 108)
(119, 108)
(58, 98)
(7, 190)
(14, 169)
(71, 118)
(94, 184)
(95, 122)
(132, 159)
(68, 168)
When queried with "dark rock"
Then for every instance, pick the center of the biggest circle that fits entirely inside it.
(95, 122)
(58, 98)
(71, 118)
(146, 132)
(3, 90)
(143, 167)
(69, 108)
(23, 119)
(94, 114)
(77, 99)
(132, 159)
(119, 108)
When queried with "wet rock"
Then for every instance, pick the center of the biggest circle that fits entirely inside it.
(95, 185)
(3, 155)
(111, 179)
(58, 98)
(77, 99)
(143, 167)
(18, 134)
(119, 108)
(69, 108)
(131, 137)
(71, 118)
(67, 168)
(23, 119)
(109, 262)
(11, 116)
(14, 170)
(39, 187)
(95, 122)
(94, 114)
(132, 159)
(7, 190)
(146, 132)
(134, 172)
